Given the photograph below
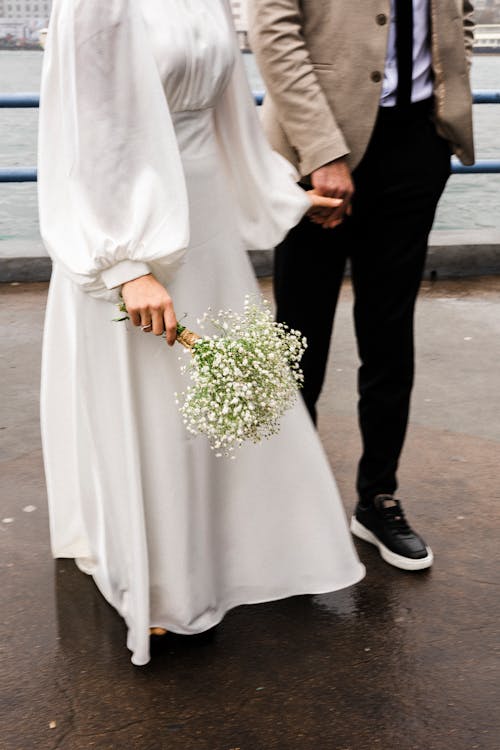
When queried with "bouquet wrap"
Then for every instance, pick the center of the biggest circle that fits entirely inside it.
(187, 338)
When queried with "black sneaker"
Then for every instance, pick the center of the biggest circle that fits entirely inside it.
(383, 524)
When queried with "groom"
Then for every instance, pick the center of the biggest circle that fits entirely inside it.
(367, 98)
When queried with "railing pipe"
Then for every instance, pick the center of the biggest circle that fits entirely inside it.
(27, 100)
(19, 101)
(18, 174)
(482, 166)
(32, 100)
(258, 97)
(486, 96)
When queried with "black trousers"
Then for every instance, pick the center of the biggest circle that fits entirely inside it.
(398, 185)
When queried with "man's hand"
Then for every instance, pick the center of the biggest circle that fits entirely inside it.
(335, 181)
(149, 305)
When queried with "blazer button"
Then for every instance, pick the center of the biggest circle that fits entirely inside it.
(381, 19)
(376, 76)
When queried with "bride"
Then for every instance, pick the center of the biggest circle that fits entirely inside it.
(154, 180)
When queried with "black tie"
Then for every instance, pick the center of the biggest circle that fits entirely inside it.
(404, 51)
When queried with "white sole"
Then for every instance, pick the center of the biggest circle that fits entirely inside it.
(398, 561)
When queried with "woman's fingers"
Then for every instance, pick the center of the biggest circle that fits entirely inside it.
(146, 324)
(135, 316)
(170, 321)
(157, 323)
(323, 201)
(158, 320)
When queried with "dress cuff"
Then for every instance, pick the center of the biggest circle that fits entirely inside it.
(125, 270)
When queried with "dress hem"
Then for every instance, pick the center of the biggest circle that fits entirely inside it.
(312, 591)
(225, 609)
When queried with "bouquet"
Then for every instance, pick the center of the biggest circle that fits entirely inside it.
(243, 378)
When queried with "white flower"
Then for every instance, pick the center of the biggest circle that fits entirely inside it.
(243, 379)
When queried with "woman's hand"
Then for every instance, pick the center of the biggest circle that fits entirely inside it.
(150, 306)
(324, 210)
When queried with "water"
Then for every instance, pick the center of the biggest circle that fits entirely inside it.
(470, 202)
(19, 71)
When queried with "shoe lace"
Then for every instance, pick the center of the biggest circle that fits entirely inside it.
(395, 517)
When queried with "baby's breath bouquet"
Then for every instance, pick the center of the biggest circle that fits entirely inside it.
(243, 378)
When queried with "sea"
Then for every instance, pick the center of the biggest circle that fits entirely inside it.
(469, 202)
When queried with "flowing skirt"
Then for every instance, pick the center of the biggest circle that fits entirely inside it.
(173, 536)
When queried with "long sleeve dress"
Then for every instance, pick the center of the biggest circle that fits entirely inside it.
(152, 160)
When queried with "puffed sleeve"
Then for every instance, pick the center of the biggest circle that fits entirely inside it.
(268, 202)
(112, 195)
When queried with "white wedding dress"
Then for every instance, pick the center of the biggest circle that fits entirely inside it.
(152, 159)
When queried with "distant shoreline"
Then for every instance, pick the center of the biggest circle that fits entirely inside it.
(35, 47)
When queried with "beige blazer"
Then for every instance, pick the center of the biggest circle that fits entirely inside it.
(323, 63)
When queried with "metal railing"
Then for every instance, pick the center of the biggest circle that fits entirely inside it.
(29, 101)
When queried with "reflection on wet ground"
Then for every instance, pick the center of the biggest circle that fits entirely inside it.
(407, 661)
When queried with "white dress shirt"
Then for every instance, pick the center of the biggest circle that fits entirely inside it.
(422, 64)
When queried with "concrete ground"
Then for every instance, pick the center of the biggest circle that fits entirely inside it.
(401, 661)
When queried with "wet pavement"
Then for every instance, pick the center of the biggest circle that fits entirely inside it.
(402, 661)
